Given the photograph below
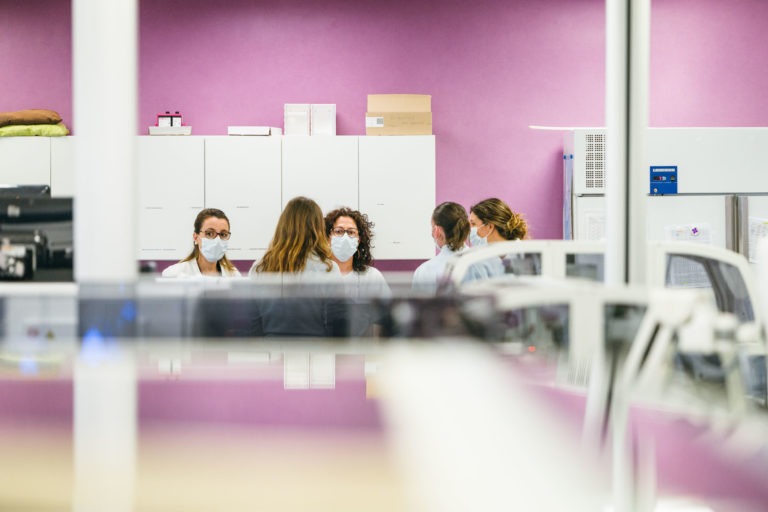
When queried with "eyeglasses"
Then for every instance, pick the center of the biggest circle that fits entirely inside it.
(212, 233)
(340, 232)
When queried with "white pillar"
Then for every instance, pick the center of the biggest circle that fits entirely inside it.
(105, 430)
(626, 116)
(616, 119)
(104, 35)
(638, 182)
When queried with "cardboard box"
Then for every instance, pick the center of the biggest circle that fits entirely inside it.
(398, 123)
(399, 114)
(399, 103)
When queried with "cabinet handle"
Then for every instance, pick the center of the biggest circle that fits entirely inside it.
(153, 207)
(242, 206)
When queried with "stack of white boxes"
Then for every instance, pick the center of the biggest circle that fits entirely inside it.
(310, 119)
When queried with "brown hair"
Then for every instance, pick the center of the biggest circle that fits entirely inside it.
(202, 217)
(298, 235)
(509, 224)
(452, 217)
(362, 258)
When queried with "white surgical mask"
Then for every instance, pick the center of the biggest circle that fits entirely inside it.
(475, 239)
(343, 247)
(213, 249)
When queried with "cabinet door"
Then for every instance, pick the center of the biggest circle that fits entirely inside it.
(323, 168)
(170, 194)
(589, 217)
(397, 191)
(242, 178)
(62, 166)
(25, 160)
(673, 217)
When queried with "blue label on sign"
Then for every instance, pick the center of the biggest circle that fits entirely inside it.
(663, 179)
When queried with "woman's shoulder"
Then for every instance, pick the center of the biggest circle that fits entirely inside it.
(373, 274)
(230, 272)
(316, 264)
(426, 265)
(180, 269)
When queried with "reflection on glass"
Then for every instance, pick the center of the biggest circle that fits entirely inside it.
(729, 291)
(585, 266)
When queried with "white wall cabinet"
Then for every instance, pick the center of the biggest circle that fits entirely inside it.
(62, 166)
(242, 178)
(171, 193)
(397, 191)
(25, 161)
(392, 179)
(322, 168)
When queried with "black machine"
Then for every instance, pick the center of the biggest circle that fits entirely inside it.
(36, 234)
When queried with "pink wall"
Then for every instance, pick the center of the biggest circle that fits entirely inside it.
(708, 63)
(36, 56)
(492, 66)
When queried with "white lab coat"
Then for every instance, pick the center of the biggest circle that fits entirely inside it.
(302, 304)
(427, 275)
(369, 283)
(314, 268)
(190, 269)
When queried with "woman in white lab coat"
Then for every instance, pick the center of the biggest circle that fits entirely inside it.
(298, 277)
(350, 233)
(208, 257)
(450, 228)
(299, 245)
(491, 220)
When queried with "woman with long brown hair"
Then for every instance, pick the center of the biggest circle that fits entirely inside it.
(299, 244)
(301, 301)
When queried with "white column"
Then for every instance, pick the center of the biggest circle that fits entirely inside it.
(626, 116)
(104, 34)
(105, 431)
(638, 182)
(616, 119)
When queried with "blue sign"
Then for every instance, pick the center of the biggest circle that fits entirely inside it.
(663, 180)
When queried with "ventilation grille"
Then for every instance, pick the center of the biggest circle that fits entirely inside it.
(594, 163)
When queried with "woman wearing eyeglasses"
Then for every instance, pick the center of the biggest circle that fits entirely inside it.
(208, 256)
(350, 235)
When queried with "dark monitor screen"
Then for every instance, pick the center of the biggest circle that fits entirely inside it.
(36, 238)
(19, 191)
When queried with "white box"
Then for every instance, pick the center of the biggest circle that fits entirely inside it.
(323, 119)
(248, 130)
(170, 130)
(296, 118)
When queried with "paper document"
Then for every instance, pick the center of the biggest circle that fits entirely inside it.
(698, 233)
(758, 229)
(683, 272)
(594, 222)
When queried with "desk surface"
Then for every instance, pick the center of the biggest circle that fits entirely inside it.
(285, 426)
